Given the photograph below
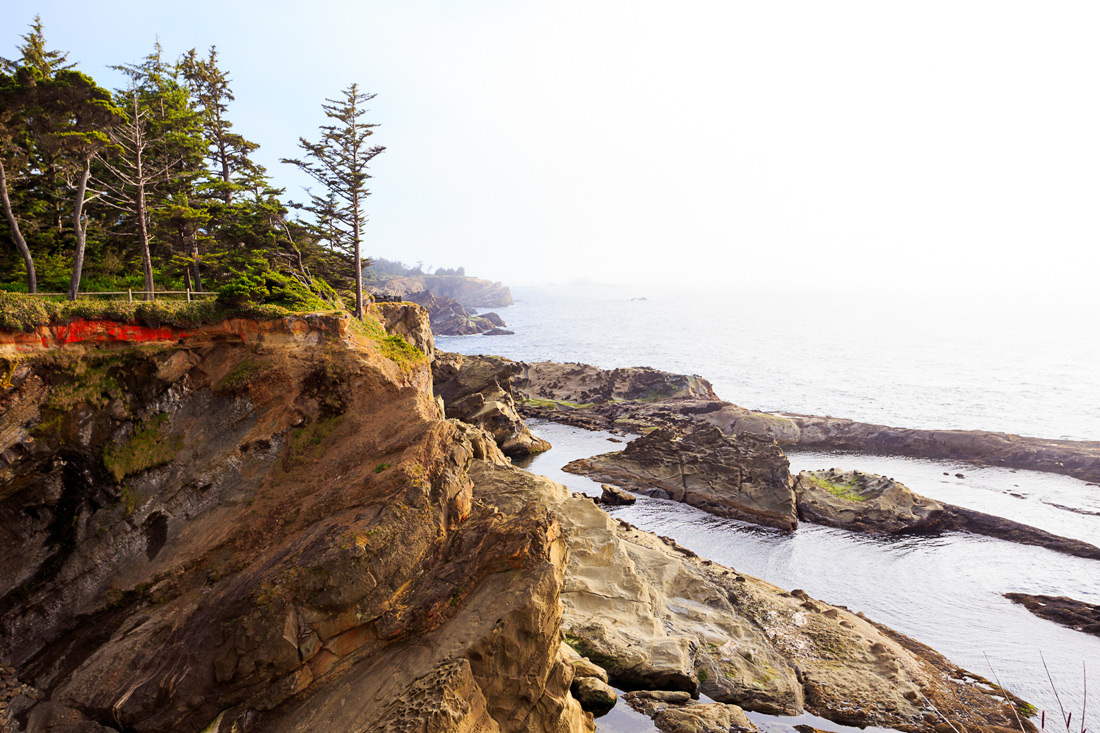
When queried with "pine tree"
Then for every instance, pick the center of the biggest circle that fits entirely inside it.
(339, 162)
(14, 155)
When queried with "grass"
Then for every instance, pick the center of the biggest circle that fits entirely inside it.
(847, 491)
(21, 312)
(146, 448)
(242, 374)
(304, 440)
(392, 346)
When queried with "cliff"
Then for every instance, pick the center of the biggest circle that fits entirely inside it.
(262, 526)
(472, 292)
(271, 526)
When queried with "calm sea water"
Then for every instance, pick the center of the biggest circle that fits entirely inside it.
(1031, 368)
(1028, 368)
(945, 591)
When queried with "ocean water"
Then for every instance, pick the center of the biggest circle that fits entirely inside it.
(1030, 367)
(945, 591)
(1022, 365)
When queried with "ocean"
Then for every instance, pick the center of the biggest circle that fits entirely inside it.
(1030, 367)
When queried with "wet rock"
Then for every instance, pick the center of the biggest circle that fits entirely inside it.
(1076, 615)
(500, 332)
(861, 502)
(614, 496)
(743, 477)
(595, 696)
(703, 718)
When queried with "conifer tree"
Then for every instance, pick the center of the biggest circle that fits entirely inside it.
(13, 96)
(339, 162)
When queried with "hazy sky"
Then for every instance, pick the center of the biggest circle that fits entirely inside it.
(950, 145)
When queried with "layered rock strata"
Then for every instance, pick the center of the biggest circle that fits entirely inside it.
(741, 477)
(262, 526)
(656, 617)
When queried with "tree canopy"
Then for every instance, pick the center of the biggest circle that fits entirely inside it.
(150, 187)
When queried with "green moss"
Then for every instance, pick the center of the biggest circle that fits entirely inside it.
(242, 375)
(381, 467)
(847, 491)
(304, 441)
(85, 381)
(558, 404)
(392, 346)
(147, 447)
(702, 675)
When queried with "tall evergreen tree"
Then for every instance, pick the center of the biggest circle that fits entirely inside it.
(339, 161)
(14, 156)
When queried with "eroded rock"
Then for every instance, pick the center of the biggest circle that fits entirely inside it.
(743, 477)
(476, 389)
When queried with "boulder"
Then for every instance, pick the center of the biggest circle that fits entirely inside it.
(594, 695)
(742, 477)
(614, 496)
(703, 718)
(862, 502)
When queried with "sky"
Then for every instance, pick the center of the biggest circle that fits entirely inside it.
(794, 148)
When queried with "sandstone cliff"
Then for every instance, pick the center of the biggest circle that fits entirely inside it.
(262, 526)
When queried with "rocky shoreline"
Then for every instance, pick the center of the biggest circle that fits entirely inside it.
(280, 526)
(640, 398)
(1077, 615)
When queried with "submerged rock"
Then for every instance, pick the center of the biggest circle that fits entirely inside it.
(1077, 615)
(743, 477)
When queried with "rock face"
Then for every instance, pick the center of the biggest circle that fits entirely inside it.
(475, 389)
(1077, 615)
(743, 477)
(656, 617)
(862, 502)
(407, 321)
(451, 318)
(472, 292)
(262, 526)
(578, 394)
(705, 718)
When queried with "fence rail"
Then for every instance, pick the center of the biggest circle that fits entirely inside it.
(140, 294)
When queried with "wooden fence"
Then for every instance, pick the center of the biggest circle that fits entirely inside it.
(131, 294)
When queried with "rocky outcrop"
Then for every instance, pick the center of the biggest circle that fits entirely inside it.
(862, 502)
(867, 502)
(581, 384)
(1077, 615)
(472, 292)
(405, 320)
(742, 477)
(451, 318)
(476, 390)
(262, 526)
(577, 394)
(656, 617)
(614, 496)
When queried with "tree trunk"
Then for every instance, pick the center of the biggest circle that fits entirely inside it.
(13, 224)
(358, 258)
(81, 228)
(143, 229)
(196, 272)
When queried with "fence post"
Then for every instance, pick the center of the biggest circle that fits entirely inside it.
(130, 294)
(188, 292)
